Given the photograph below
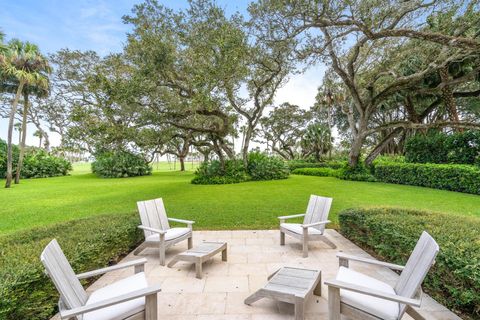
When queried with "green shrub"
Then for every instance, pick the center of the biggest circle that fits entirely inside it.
(334, 164)
(91, 243)
(463, 147)
(37, 163)
(391, 234)
(40, 164)
(428, 148)
(358, 173)
(212, 172)
(320, 172)
(120, 164)
(264, 167)
(453, 177)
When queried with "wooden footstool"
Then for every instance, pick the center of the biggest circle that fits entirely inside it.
(201, 253)
(291, 285)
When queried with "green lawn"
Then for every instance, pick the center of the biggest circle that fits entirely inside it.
(250, 205)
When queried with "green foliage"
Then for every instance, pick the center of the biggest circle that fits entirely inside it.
(319, 172)
(120, 164)
(454, 177)
(463, 147)
(334, 164)
(37, 163)
(459, 148)
(426, 148)
(91, 243)
(358, 173)
(391, 233)
(40, 164)
(212, 172)
(260, 167)
(263, 167)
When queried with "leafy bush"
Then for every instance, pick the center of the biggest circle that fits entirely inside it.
(320, 172)
(391, 234)
(40, 164)
(91, 243)
(263, 167)
(37, 163)
(260, 167)
(459, 148)
(120, 164)
(463, 147)
(334, 164)
(212, 172)
(358, 173)
(428, 148)
(454, 177)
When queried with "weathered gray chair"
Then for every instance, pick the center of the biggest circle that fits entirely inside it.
(130, 298)
(359, 296)
(157, 230)
(313, 224)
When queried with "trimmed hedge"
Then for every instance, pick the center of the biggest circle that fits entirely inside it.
(453, 177)
(120, 164)
(392, 233)
(297, 164)
(90, 243)
(320, 172)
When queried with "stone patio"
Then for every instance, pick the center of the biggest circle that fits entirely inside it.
(252, 256)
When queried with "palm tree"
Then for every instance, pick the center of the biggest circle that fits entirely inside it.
(39, 135)
(25, 68)
(317, 140)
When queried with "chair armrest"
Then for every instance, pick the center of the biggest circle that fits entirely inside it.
(134, 263)
(315, 224)
(181, 220)
(374, 293)
(66, 314)
(152, 229)
(292, 216)
(392, 266)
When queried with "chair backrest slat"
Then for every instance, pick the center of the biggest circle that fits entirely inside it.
(59, 270)
(416, 269)
(317, 210)
(153, 215)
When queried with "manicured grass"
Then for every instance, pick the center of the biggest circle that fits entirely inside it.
(250, 205)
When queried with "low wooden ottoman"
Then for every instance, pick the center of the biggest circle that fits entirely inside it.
(291, 285)
(201, 253)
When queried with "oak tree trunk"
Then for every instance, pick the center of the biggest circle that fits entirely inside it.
(182, 163)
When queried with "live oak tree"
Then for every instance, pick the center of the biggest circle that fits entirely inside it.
(283, 128)
(353, 36)
(180, 59)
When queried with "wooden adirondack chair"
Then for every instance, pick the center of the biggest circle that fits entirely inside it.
(130, 298)
(359, 296)
(157, 230)
(313, 224)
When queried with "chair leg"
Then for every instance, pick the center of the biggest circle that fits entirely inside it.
(190, 242)
(162, 249)
(328, 242)
(282, 238)
(305, 247)
(198, 269)
(333, 303)
(151, 307)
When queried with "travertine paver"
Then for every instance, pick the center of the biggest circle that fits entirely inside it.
(252, 255)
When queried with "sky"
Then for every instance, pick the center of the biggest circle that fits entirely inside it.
(97, 25)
